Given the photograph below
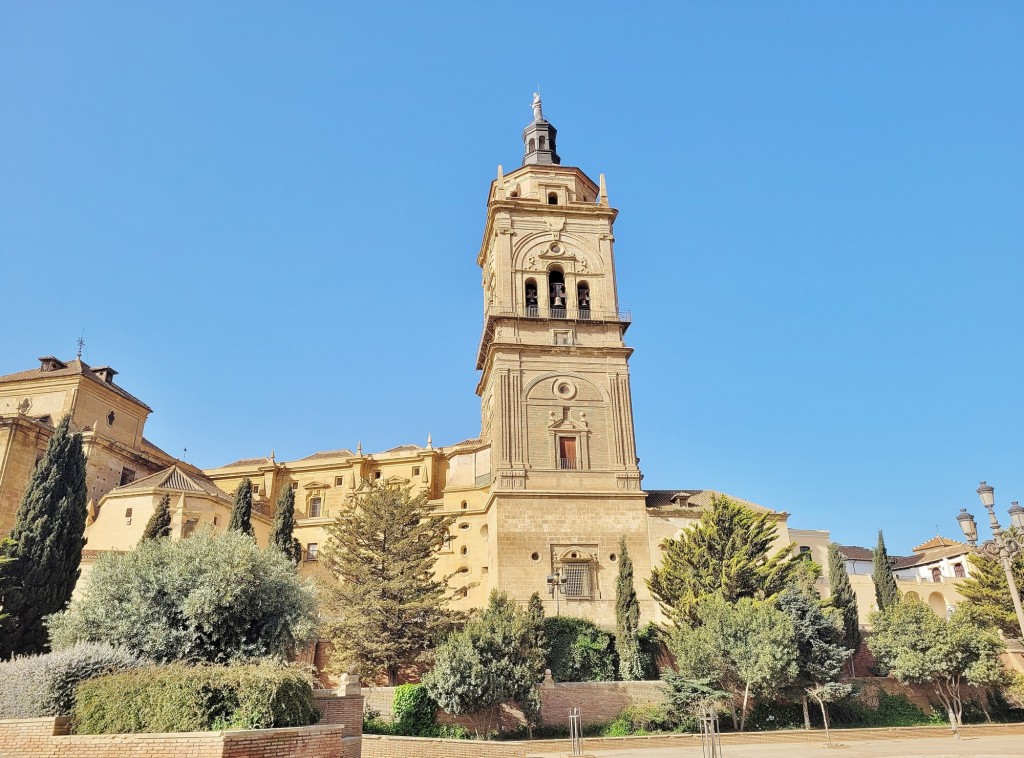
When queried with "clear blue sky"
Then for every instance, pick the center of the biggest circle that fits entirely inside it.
(266, 216)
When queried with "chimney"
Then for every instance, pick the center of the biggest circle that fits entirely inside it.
(105, 373)
(49, 363)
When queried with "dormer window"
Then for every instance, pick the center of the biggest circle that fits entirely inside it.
(552, 198)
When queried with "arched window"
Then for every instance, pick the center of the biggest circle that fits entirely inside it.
(543, 142)
(531, 297)
(583, 299)
(530, 146)
(936, 574)
(556, 292)
(958, 570)
(552, 198)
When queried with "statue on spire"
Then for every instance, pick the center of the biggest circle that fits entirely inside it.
(538, 114)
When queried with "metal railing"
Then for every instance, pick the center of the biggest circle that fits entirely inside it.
(567, 463)
(566, 314)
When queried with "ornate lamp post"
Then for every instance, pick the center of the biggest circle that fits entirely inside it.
(1001, 546)
(555, 583)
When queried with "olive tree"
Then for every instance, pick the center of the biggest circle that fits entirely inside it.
(210, 597)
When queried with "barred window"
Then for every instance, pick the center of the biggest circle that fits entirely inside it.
(577, 580)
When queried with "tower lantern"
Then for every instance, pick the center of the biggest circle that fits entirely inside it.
(539, 138)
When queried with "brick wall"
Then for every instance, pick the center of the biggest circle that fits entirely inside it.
(599, 702)
(48, 738)
(346, 711)
(380, 746)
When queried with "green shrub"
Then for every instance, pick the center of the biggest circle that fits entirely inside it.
(44, 685)
(179, 698)
(651, 647)
(639, 720)
(579, 650)
(415, 712)
(892, 710)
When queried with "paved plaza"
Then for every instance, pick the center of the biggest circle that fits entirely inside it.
(925, 747)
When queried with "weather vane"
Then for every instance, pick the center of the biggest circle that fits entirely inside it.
(81, 344)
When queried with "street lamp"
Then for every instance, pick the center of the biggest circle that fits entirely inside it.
(556, 582)
(1001, 546)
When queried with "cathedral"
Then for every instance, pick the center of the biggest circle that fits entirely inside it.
(542, 497)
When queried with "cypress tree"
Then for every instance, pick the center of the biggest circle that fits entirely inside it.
(627, 619)
(887, 594)
(45, 545)
(159, 524)
(296, 553)
(843, 598)
(537, 638)
(284, 524)
(241, 512)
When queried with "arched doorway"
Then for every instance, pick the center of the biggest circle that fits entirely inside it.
(937, 603)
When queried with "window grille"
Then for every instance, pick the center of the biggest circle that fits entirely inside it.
(577, 580)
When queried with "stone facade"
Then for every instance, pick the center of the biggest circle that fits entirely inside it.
(111, 420)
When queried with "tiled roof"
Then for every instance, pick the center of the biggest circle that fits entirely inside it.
(174, 478)
(697, 499)
(931, 556)
(934, 542)
(854, 553)
(76, 367)
(470, 441)
(342, 453)
(404, 449)
(247, 462)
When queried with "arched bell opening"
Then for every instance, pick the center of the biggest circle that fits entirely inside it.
(531, 297)
(583, 299)
(556, 292)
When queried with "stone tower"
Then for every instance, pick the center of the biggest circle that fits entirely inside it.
(555, 393)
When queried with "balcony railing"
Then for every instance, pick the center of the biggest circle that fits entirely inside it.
(566, 314)
(567, 463)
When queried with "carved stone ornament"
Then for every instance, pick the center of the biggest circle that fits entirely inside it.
(581, 265)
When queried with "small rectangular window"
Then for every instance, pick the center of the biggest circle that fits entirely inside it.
(127, 477)
(415, 470)
(563, 337)
(295, 485)
(338, 481)
(255, 489)
(376, 475)
(311, 551)
(215, 521)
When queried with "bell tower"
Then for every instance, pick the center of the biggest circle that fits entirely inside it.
(555, 390)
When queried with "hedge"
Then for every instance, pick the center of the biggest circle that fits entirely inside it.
(579, 650)
(180, 698)
(44, 685)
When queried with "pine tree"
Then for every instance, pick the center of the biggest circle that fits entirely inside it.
(988, 592)
(886, 592)
(843, 598)
(388, 608)
(159, 524)
(241, 512)
(725, 553)
(821, 649)
(627, 619)
(45, 544)
(284, 524)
